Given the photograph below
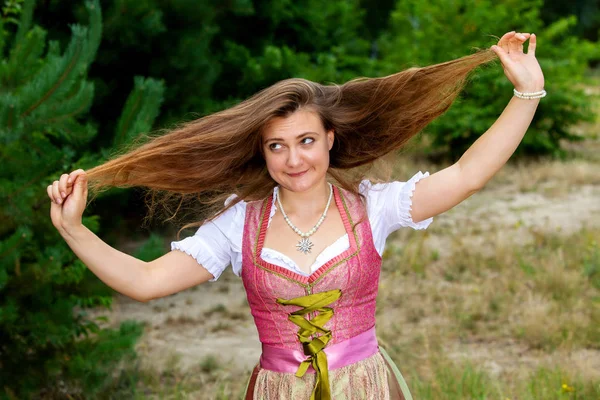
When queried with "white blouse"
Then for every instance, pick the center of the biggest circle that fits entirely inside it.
(218, 243)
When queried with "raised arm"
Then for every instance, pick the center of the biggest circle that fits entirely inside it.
(450, 186)
(128, 275)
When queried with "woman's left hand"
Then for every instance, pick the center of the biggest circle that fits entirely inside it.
(523, 70)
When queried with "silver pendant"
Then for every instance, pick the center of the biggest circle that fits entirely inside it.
(304, 245)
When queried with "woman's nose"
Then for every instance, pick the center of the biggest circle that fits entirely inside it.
(294, 158)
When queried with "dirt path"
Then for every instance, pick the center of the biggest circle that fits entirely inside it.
(511, 216)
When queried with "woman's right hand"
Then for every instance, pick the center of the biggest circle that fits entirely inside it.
(69, 198)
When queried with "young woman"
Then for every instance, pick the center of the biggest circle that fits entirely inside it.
(308, 251)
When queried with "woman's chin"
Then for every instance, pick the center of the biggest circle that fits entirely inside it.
(297, 186)
(300, 184)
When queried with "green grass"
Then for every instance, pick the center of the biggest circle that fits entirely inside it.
(467, 382)
(452, 315)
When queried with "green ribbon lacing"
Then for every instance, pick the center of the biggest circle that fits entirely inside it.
(313, 346)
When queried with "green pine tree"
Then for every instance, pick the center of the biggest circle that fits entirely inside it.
(47, 342)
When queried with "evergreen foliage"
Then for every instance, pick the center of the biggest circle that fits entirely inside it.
(47, 339)
(212, 56)
(587, 13)
(438, 30)
(141, 109)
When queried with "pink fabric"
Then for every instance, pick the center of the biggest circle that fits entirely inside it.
(355, 272)
(339, 355)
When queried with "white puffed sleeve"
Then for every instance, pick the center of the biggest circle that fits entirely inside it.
(216, 244)
(389, 205)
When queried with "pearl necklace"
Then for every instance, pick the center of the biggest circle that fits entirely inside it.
(304, 245)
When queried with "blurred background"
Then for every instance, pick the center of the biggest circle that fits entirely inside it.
(498, 299)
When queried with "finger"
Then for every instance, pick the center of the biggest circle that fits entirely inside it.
(74, 174)
(522, 39)
(505, 37)
(502, 55)
(80, 188)
(56, 193)
(503, 42)
(514, 44)
(49, 190)
(532, 44)
(72, 178)
(62, 185)
(55, 211)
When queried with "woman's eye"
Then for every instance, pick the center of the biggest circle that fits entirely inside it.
(274, 146)
(307, 140)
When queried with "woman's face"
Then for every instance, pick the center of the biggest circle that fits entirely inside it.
(296, 150)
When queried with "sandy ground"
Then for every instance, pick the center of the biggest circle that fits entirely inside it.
(214, 319)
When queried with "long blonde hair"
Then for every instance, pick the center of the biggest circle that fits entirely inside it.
(208, 159)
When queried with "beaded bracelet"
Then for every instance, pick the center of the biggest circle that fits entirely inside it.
(531, 95)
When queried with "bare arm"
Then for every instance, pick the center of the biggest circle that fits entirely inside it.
(493, 149)
(140, 280)
(450, 186)
(447, 188)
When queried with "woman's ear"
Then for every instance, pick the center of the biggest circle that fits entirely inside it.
(330, 138)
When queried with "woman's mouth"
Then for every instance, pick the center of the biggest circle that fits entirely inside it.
(297, 174)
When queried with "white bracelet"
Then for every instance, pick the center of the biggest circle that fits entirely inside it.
(531, 95)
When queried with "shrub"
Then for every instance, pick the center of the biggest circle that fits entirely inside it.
(48, 343)
(423, 33)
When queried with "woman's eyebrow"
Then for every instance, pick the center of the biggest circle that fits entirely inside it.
(297, 137)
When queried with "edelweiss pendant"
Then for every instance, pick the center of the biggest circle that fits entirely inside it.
(304, 245)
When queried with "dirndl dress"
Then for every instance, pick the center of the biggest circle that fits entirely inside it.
(318, 331)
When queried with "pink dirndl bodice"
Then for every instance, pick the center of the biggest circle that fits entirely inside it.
(318, 331)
